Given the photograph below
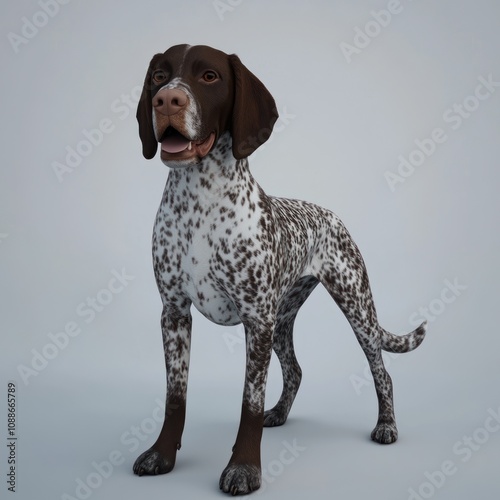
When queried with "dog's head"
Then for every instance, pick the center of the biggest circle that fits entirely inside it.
(192, 95)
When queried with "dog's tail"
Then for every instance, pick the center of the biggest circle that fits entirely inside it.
(403, 343)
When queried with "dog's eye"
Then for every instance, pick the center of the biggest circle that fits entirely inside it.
(159, 76)
(210, 76)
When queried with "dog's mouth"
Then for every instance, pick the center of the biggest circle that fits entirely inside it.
(175, 146)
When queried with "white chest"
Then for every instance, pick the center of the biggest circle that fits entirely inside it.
(199, 242)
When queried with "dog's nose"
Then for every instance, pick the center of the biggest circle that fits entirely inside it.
(169, 101)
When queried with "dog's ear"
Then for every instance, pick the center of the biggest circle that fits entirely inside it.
(145, 116)
(254, 111)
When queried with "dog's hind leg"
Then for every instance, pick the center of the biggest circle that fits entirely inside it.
(283, 347)
(343, 273)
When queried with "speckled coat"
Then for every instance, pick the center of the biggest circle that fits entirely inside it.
(238, 255)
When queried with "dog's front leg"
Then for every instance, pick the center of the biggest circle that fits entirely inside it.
(176, 330)
(243, 473)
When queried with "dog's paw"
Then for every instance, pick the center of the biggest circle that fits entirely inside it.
(151, 463)
(274, 417)
(240, 479)
(385, 433)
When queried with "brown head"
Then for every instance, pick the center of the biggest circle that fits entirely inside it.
(192, 95)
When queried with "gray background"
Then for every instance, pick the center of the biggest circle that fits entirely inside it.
(430, 243)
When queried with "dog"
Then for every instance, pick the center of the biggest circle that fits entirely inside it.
(238, 255)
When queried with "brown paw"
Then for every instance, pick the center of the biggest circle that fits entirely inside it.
(151, 463)
(240, 479)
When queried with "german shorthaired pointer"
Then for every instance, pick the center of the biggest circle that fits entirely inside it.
(239, 255)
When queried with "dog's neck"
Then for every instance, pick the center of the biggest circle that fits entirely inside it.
(219, 174)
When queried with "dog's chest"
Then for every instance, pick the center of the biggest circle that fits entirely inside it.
(199, 239)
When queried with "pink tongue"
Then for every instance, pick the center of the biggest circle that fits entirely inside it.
(174, 144)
